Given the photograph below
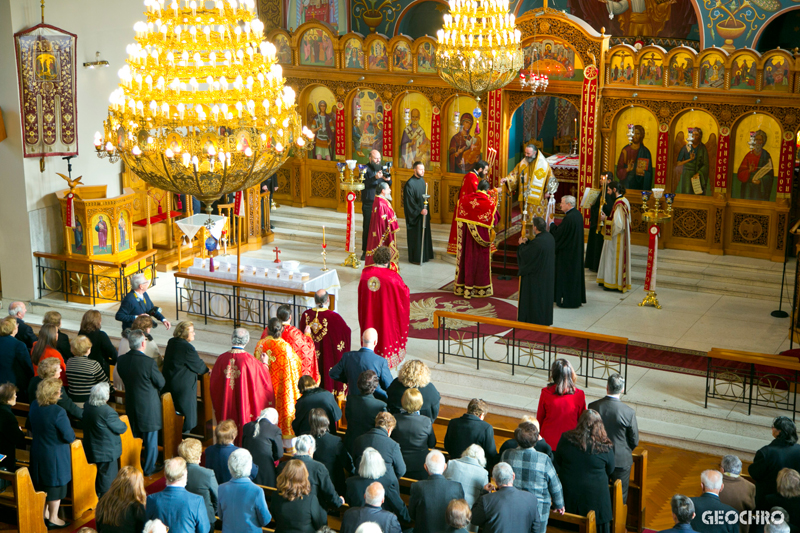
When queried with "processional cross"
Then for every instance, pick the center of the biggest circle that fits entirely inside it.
(277, 254)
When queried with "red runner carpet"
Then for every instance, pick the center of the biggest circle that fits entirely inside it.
(507, 289)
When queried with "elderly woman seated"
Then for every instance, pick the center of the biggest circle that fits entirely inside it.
(373, 468)
(242, 506)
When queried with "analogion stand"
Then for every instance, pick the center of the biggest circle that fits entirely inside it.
(654, 216)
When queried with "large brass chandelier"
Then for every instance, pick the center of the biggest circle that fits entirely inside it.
(479, 46)
(201, 107)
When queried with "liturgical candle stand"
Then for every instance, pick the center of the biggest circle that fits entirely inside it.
(654, 217)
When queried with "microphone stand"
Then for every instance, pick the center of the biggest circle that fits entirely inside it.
(780, 313)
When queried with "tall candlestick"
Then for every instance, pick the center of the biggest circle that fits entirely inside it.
(323, 235)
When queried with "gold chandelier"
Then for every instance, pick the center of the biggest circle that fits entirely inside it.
(479, 46)
(201, 107)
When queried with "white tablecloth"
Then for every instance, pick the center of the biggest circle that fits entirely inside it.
(194, 223)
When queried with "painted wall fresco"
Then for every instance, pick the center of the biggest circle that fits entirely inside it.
(555, 58)
(465, 143)
(367, 133)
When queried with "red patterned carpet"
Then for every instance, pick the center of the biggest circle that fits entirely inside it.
(423, 305)
(507, 289)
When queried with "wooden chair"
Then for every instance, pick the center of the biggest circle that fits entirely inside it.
(22, 497)
(172, 432)
(636, 507)
(82, 489)
(569, 522)
(563, 145)
(131, 448)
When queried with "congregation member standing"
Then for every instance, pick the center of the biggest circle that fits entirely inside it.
(331, 336)
(284, 368)
(415, 208)
(782, 452)
(200, 480)
(83, 373)
(594, 241)
(537, 271)
(682, 514)
(242, 505)
(507, 509)
(372, 176)
(741, 494)
(614, 272)
(62, 344)
(361, 409)
(51, 368)
(470, 429)
(349, 369)
(138, 303)
(15, 358)
(103, 350)
(621, 427)
(45, 348)
(24, 333)
(313, 397)
(430, 497)
(321, 485)
(182, 367)
(294, 508)
(383, 227)
(414, 433)
(180, 510)
(101, 430)
(414, 374)
(560, 403)
(300, 342)
(480, 171)
(476, 217)
(570, 289)
(263, 439)
(13, 437)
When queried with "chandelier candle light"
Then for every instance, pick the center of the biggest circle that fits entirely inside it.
(201, 108)
(479, 46)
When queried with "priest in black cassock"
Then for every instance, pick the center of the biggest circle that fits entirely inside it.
(415, 209)
(594, 243)
(537, 271)
(570, 291)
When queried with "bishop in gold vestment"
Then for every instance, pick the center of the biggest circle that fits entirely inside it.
(534, 179)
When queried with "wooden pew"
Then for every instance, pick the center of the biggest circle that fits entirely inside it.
(619, 513)
(172, 427)
(131, 448)
(23, 497)
(205, 411)
(567, 522)
(82, 489)
(636, 507)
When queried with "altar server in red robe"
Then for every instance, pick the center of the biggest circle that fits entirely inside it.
(331, 336)
(476, 217)
(302, 345)
(241, 386)
(470, 185)
(383, 304)
(383, 226)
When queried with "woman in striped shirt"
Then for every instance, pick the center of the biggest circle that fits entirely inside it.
(83, 373)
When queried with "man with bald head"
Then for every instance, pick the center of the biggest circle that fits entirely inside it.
(353, 364)
(24, 331)
(331, 336)
(708, 505)
(371, 512)
(241, 386)
(372, 177)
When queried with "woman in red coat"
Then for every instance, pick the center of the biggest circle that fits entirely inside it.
(560, 404)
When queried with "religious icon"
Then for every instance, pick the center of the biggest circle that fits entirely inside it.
(402, 57)
(712, 71)
(77, 237)
(46, 67)
(680, 70)
(743, 73)
(377, 56)
(124, 242)
(316, 49)
(367, 136)
(756, 173)
(328, 12)
(464, 150)
(323, 124)
(640, 18)
(425, 59)
(635, 164)
(284, 51)
(415, 145)
(353, 54)
(776, 74)
(622, 68)
(651, 69)
(103, 246)
(694, 163)
(553, 58)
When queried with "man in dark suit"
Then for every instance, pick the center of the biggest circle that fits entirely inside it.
(782, 452)
(15, 359)
(739, 493)
(372, 177)
(682, 514)
(380, 439)
(507, 510)
(429, 497)
(352, 364)
(471, 429)
(313, 397)
(24, 331)
(361, 409)
(621, 427)
(137, 303)
(101, 430)
(180, 510)
(318, 475)
(143, 382)
(708, 505)
(371, 512)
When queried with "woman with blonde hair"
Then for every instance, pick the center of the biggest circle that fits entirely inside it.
(788, 495)
(294, 508)
(102, 350)
(51, 368)
(182, 366)
(199, 480)
(414, 433)
(414, 374)
(45, 348)
(83, 373)
(122, 508)
(51, 466)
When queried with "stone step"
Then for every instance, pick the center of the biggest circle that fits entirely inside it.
(770, 280)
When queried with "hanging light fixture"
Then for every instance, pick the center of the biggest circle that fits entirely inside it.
(201, 108)
(479, 46)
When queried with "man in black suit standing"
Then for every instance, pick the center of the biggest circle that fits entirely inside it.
(570, 289)
(429, 497)
(352, 364)
(682, 514)
(143, 382)
(707, 506)
(471, 429)
(621, 427)
(507, 510)
(138, 303)
(371, 512)
(24, 331)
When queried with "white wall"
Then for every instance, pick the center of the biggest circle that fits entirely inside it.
(29, 213)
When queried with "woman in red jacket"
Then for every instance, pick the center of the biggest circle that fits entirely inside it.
(560, 404)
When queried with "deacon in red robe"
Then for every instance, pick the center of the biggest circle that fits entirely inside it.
(331, 336)
(241, 386)
(383, 226)
(476, 217)
(470, 184)
(384, 304)
(302, 345)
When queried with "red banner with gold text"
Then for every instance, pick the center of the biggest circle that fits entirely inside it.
(652, 259)
(786, 165)
(341, 128)
(587, 132)
(436, 135)
(662, 156)
(387, 131)
(494, 120)
(721, 179)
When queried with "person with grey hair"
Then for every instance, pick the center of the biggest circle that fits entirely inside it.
(506, 509)
(429, 497)
(321, 485)
(143, 382)
(783, 527)
(240, 388)
(101, 430)
(179, 509)
(369, 527)
(570, 288)
(372, 468)
(370, 515)
(154, 526)
(709, 504)
(242, 506)
(263, 439)
(682, 514)
(24, 331)
(739, 493)
(138, 303)
(470, 471)
(621, 427)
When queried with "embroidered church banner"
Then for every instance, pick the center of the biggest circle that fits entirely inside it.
(46, 65)
(786, 165)
(494, 129)
(721, 179)
(661, 155)
(436, 134)
(587, 132)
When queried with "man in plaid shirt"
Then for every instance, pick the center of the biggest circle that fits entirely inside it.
(534, 471)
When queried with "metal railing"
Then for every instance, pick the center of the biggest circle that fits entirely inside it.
(237, 301)
(459, 335)
(80, 277)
